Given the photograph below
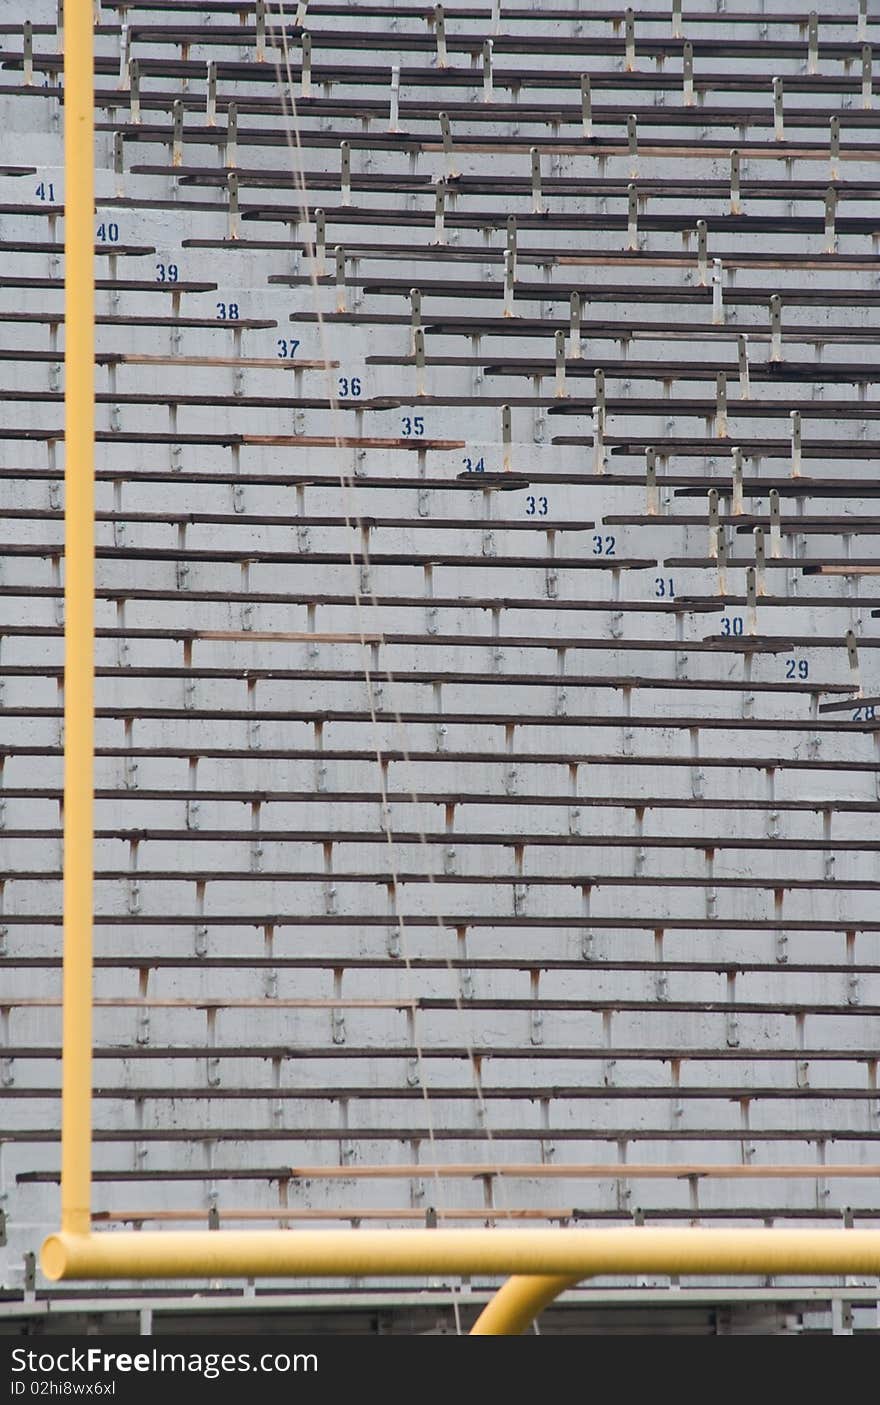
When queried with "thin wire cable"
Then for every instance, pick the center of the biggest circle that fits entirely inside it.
(292, 133)
(353, 520)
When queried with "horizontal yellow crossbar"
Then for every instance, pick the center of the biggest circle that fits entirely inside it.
(576, 1253)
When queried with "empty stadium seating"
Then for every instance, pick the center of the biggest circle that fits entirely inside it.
(486, 686)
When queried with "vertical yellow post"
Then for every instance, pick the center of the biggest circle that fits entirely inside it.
(79, 594)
